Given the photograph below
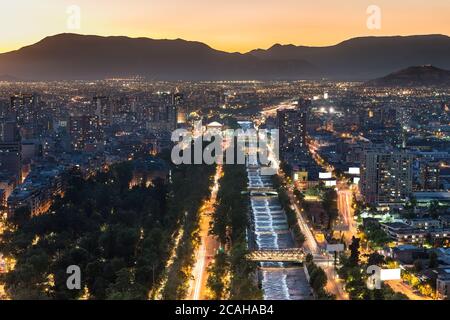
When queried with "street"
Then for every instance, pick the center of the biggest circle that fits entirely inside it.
(333, 284)
(401, 287)
(208, 245)
(345, 198)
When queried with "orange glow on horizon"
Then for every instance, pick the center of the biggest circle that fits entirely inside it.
(233, 25)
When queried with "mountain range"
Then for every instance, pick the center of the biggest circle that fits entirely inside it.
(87, 57)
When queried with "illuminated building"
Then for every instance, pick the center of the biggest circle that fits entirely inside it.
(386, 177)
(292, 129)
(443, 285)
(84, 132)
(429, 176)
(163, 116)
(37, 191)
(23, 107)
(103, 110)
(179, 104)
(10, 149)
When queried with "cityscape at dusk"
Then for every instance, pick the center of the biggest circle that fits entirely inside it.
(257, 151)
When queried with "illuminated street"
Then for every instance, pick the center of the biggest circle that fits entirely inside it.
(345, 198)
(208, 245)
(400, 286)
(272, 110)
(334, 284)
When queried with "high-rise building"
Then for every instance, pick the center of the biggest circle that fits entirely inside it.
(429, 176)
(9, 131)
(292, 129)
(84, 132)
(23, 107)
(10, 149)
(163, 116)
(386, 177)
(182, 112)
(103, 110)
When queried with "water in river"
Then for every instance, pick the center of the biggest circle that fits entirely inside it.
(271, 231)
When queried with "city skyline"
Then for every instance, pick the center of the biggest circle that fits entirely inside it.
(143, 158)
(234, 26)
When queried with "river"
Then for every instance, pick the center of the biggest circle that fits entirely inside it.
(279, 281)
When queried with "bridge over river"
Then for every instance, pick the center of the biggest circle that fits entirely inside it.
(293, 255)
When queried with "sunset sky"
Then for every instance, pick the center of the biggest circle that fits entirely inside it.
(230, 25)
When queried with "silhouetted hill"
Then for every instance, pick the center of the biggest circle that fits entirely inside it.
(416, 76)
(367, 57)
(72, 56)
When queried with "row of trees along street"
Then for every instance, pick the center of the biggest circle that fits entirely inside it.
(231, 275)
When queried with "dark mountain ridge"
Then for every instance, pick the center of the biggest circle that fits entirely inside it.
(73, 56)
(368, 57)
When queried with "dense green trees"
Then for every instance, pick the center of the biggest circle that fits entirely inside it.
(232, 275)
(354, 273)
(291, 215)
(231, 217)
(375, 259)
(113, 233)
(190, 188)
(243, 280)
(317, 279)
(354, 251)
(218, 283)
(376, 236)
(119, 236)
(329, 203)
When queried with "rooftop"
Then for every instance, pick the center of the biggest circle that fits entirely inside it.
(432, 196)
